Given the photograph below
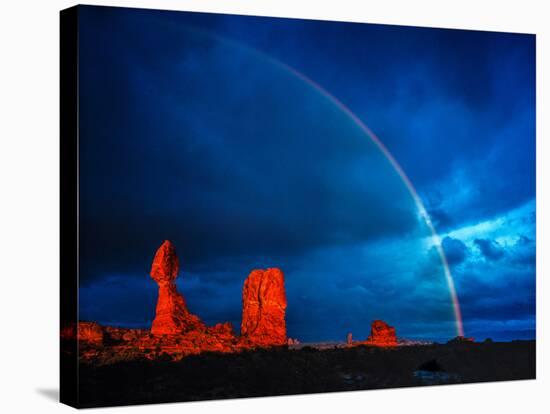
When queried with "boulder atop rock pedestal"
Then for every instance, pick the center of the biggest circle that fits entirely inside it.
(166, 264)
(382, 334)
(172, 316)
(264, 307)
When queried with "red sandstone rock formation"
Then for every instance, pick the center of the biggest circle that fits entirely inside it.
(176, 333)
(129, 344)
(84, 331)
(172, 316)
(382, 334)
(264, 305)
(222, 329)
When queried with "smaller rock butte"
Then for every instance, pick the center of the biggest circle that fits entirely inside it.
(264, 306)
(172, 316)
(381, 334)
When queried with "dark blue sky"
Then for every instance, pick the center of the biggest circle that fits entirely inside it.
(193, 129)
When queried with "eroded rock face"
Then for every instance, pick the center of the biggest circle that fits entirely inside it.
(382, 334)
(172, 316)
(264, 307)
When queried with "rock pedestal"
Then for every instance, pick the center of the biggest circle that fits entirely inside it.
(264, 307)
(172, 316)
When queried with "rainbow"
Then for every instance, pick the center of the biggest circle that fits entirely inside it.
(417, 200)
(436, 240)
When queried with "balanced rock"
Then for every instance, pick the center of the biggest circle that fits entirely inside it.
(264, 306)
(172, 316)
(382, 334)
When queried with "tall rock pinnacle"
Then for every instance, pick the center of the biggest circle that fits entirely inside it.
(172, 315)
(264, 306)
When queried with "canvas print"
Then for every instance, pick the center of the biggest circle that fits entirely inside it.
(256, 206)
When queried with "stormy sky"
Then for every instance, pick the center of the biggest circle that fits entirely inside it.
(199, 128)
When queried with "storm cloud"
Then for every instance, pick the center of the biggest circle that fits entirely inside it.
(193, 129)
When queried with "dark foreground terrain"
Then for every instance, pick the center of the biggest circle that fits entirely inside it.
(282, 371)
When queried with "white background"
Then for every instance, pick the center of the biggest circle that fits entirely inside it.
(29, 206)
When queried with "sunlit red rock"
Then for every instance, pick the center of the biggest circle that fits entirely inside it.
(264, 307)
(172, 316)
(222, 329)
(90, 332)
(382, 334)
(130, 344)
(124, 334)
(176, 332)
